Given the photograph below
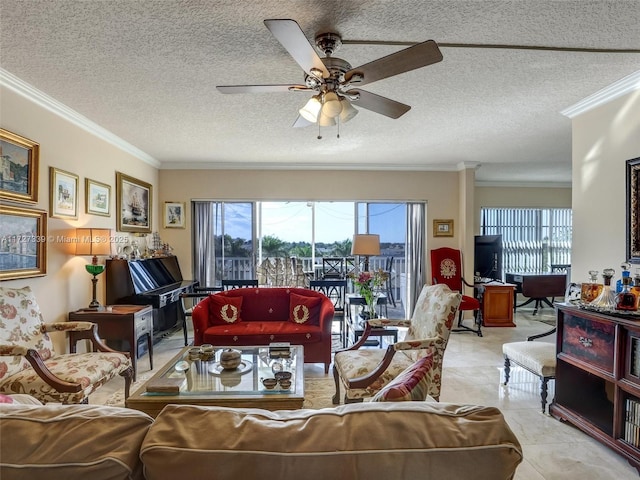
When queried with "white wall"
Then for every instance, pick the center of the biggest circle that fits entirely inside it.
(603, 139)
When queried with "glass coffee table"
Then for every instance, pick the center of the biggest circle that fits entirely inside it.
(194, 377)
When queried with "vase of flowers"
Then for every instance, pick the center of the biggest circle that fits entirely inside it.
(368, 285)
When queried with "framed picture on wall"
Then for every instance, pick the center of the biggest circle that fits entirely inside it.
(24, 246)
(19, 159)
(633, 215)
(442, 228)
(134, 200)
(97, 197)
(174, 215)
(63, 194)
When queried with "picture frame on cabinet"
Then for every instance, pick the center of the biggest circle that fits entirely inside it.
(24, 242)
(134, 200)
(19, 160)
(97, 197)
(174, 215)
(442, 228)
(633, 215)
(63, 194)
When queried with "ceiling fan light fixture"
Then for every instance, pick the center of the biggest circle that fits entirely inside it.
(331, 106)
(325, 121)
(348, 112)
(311, 110)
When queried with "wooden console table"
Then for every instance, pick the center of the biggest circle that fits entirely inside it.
(539, 287)
(598, 377)
(123, 322)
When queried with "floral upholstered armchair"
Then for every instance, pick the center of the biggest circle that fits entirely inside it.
(28, 363)
(365, 372)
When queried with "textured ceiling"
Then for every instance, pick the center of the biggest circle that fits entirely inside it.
(147, 71)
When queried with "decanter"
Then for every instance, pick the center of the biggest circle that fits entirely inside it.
(626, 299)
(590, 290)
(607, 298)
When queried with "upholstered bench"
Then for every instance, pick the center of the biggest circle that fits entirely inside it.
(538, 358)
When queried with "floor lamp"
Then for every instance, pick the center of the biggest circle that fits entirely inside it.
(93, 242)
(365, 245)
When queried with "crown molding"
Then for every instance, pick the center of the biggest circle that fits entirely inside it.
(176, 165)
(15, 84)
(507, 184)
(623, 86)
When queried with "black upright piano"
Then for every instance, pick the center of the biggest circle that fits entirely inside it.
(151, 281)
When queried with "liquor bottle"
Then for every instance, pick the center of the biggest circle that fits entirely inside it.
(607, 298)
(591, 289)
(625, 268)
(636, 284)
(626, 299)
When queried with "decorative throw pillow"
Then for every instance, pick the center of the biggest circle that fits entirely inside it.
(411, 384)
(224, 310)
(304, 310)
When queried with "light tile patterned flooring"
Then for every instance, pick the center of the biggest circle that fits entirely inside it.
(473, 373)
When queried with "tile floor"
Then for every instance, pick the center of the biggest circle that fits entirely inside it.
(473, 373)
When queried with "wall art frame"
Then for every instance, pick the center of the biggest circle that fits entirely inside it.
(633, 207)
(443, 228)
(174, 215)
(97, 196)
(134, 202)
(19, 162)
(63, 194)
(23, 250)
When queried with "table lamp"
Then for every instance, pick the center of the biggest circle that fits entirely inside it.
(365, 245)
(93, 242)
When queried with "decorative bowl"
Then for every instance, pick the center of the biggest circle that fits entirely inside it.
(269, 383)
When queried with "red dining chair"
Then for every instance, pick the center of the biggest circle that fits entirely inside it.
(446, 267)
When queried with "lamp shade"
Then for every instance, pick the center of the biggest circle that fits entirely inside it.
(331, 106)
(348, 112)
(366, 244)
(311, 109)
(93, 241)
(325, 121)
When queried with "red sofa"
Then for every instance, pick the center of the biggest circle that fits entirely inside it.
(259, 316)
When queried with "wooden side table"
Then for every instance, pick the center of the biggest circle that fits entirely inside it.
(119, 322)
(496, 300)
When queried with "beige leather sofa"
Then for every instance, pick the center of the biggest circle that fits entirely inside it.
(373, 441)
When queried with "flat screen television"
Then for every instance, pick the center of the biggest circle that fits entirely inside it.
(488, 256)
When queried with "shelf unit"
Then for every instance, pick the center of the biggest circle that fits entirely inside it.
(597, 385)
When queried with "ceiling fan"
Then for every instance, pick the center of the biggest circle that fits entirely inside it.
(334, 82)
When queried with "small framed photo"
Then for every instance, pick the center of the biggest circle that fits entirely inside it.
(134, 199)
(23, 249)
(19, 159)
(63, 194)
(442, 228)
(174, 215)
(97, 198)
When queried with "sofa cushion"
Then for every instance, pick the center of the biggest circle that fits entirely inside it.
(375, 441)
(225, 310)
(411, 384)
(71, 442)
(262, 333)
(304, 310)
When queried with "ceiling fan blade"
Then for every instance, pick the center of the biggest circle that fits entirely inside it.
(260, 88)
(292, 38)
(376, 103)
(301, 122)
(417, 56)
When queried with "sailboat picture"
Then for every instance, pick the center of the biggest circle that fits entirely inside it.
(133, 204)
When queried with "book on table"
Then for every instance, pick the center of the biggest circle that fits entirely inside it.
(167, 385)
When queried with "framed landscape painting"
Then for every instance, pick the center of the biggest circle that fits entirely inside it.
(63, 194)
(19, 159)
(443, 228)
(97, 197)
(134, 199)
(23, 249)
